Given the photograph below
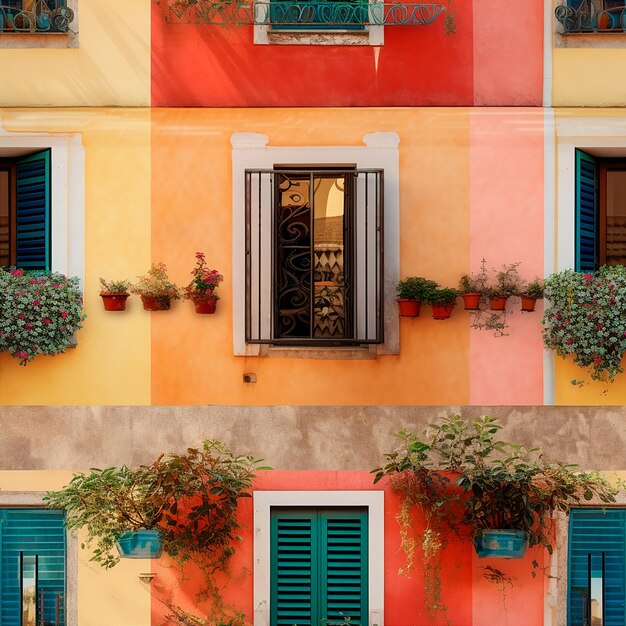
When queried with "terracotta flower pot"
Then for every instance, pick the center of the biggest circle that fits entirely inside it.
(114, 301)
(205, 307)
(528, 304)
(152, 303)
(409, 308)
(498, 303)
(471, 301)
(442, 311)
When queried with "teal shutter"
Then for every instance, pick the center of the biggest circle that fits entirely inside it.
(318, 567)
(318, 14)
(32, 532)
(586, 212)
(33, 212)
(592, 532)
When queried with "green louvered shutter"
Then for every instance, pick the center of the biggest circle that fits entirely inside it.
(32, 532)
(318, 566)
(586, 212)
(33, 212)
(592, 532)
(344, 566)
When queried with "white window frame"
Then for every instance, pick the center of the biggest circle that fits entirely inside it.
(372, 500)
(380, 151)
(34, 500)
(371, 35)
(67, 201)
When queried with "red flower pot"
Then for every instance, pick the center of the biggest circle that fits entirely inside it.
(528, 304)
(205, 307)
(471, 301)
(442, 311)
(498, 303)
(409, 308)
(151, 303)
(114, 301)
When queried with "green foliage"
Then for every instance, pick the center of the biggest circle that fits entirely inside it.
(470, 283)
(191, 498)
(415, 288)
(442, 296)
(586, 317)
(114, 286)
(507, 282)
(156, 284)
(39, 313)
(204, 283)
(533, 289)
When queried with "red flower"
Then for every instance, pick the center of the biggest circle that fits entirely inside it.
(63, 314)
(35, 302)
(28, 327)
(21, 316)
(45, 320)
(588, 277)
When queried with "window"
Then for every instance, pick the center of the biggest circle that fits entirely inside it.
(319, 566)
(25, 211)
(336, 536)
(318, 15)
(30, 16)
(32, 581)
(585, 16)
(597, 565)
(600, 211)
(314, 256)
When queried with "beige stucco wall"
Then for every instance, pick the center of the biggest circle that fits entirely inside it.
(70, 438)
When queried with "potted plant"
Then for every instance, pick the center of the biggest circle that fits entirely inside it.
(507, 284)
(470, 288)
(467, 481)
(201, 289)
(114, 294)
(40, 313)
(155, 289)
(530, 293)
(411, 292)
(442, 302)
(183, 503)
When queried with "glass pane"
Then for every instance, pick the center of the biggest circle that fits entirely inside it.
(596, 590)
(5, 258)
(329, 271)
(29, 590)
(616, 218)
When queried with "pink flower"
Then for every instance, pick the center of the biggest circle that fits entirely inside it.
(35, 302)
(55, 285)
(588, 277)
(569, 341)
(28, 327)
(612, 300)
(611, 287)
(62, 329)
(32, 282)
(63, 314)
(21, 316)
(199, 255)
(45, 320)
(17, 272)
(597, 361)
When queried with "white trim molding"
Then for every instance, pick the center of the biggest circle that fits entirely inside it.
(34, 500)
(379, 151)
(372, 500)
(68, 193)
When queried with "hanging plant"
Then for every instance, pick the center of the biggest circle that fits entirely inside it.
(39, 313)
(585, 317)
(464, 479)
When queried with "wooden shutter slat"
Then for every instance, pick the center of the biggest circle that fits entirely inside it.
(586, 212)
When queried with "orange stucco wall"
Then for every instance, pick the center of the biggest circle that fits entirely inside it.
(470, 599)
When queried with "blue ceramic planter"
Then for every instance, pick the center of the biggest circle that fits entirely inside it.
(140, 544)
(501, 544)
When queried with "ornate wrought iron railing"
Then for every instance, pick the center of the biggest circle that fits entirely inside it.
(300, 14)
(35, 16)
(313, 280)
(587, 16)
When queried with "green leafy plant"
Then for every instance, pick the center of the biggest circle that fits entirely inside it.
(533, 289)
(467, 480)
(471, 283)
(507, 282)
(442, 296)
(39, 313)
(585, 317)
(156, 284)
(114, 286)
(415, 288)
(204, 282)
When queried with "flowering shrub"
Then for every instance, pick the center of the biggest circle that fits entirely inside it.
(586, 317)
(156, 284)
(39, 313)
(204, 282)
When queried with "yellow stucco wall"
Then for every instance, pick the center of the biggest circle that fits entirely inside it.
(111, 65)
(115, 596)
(111, 364)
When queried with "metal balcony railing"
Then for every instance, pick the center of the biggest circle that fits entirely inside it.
(300, 14)
(35, 16)
(592, 16)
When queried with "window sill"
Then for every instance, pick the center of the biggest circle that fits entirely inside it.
(367, 353)
(615, 39)
(38, 40)
(370, 36)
